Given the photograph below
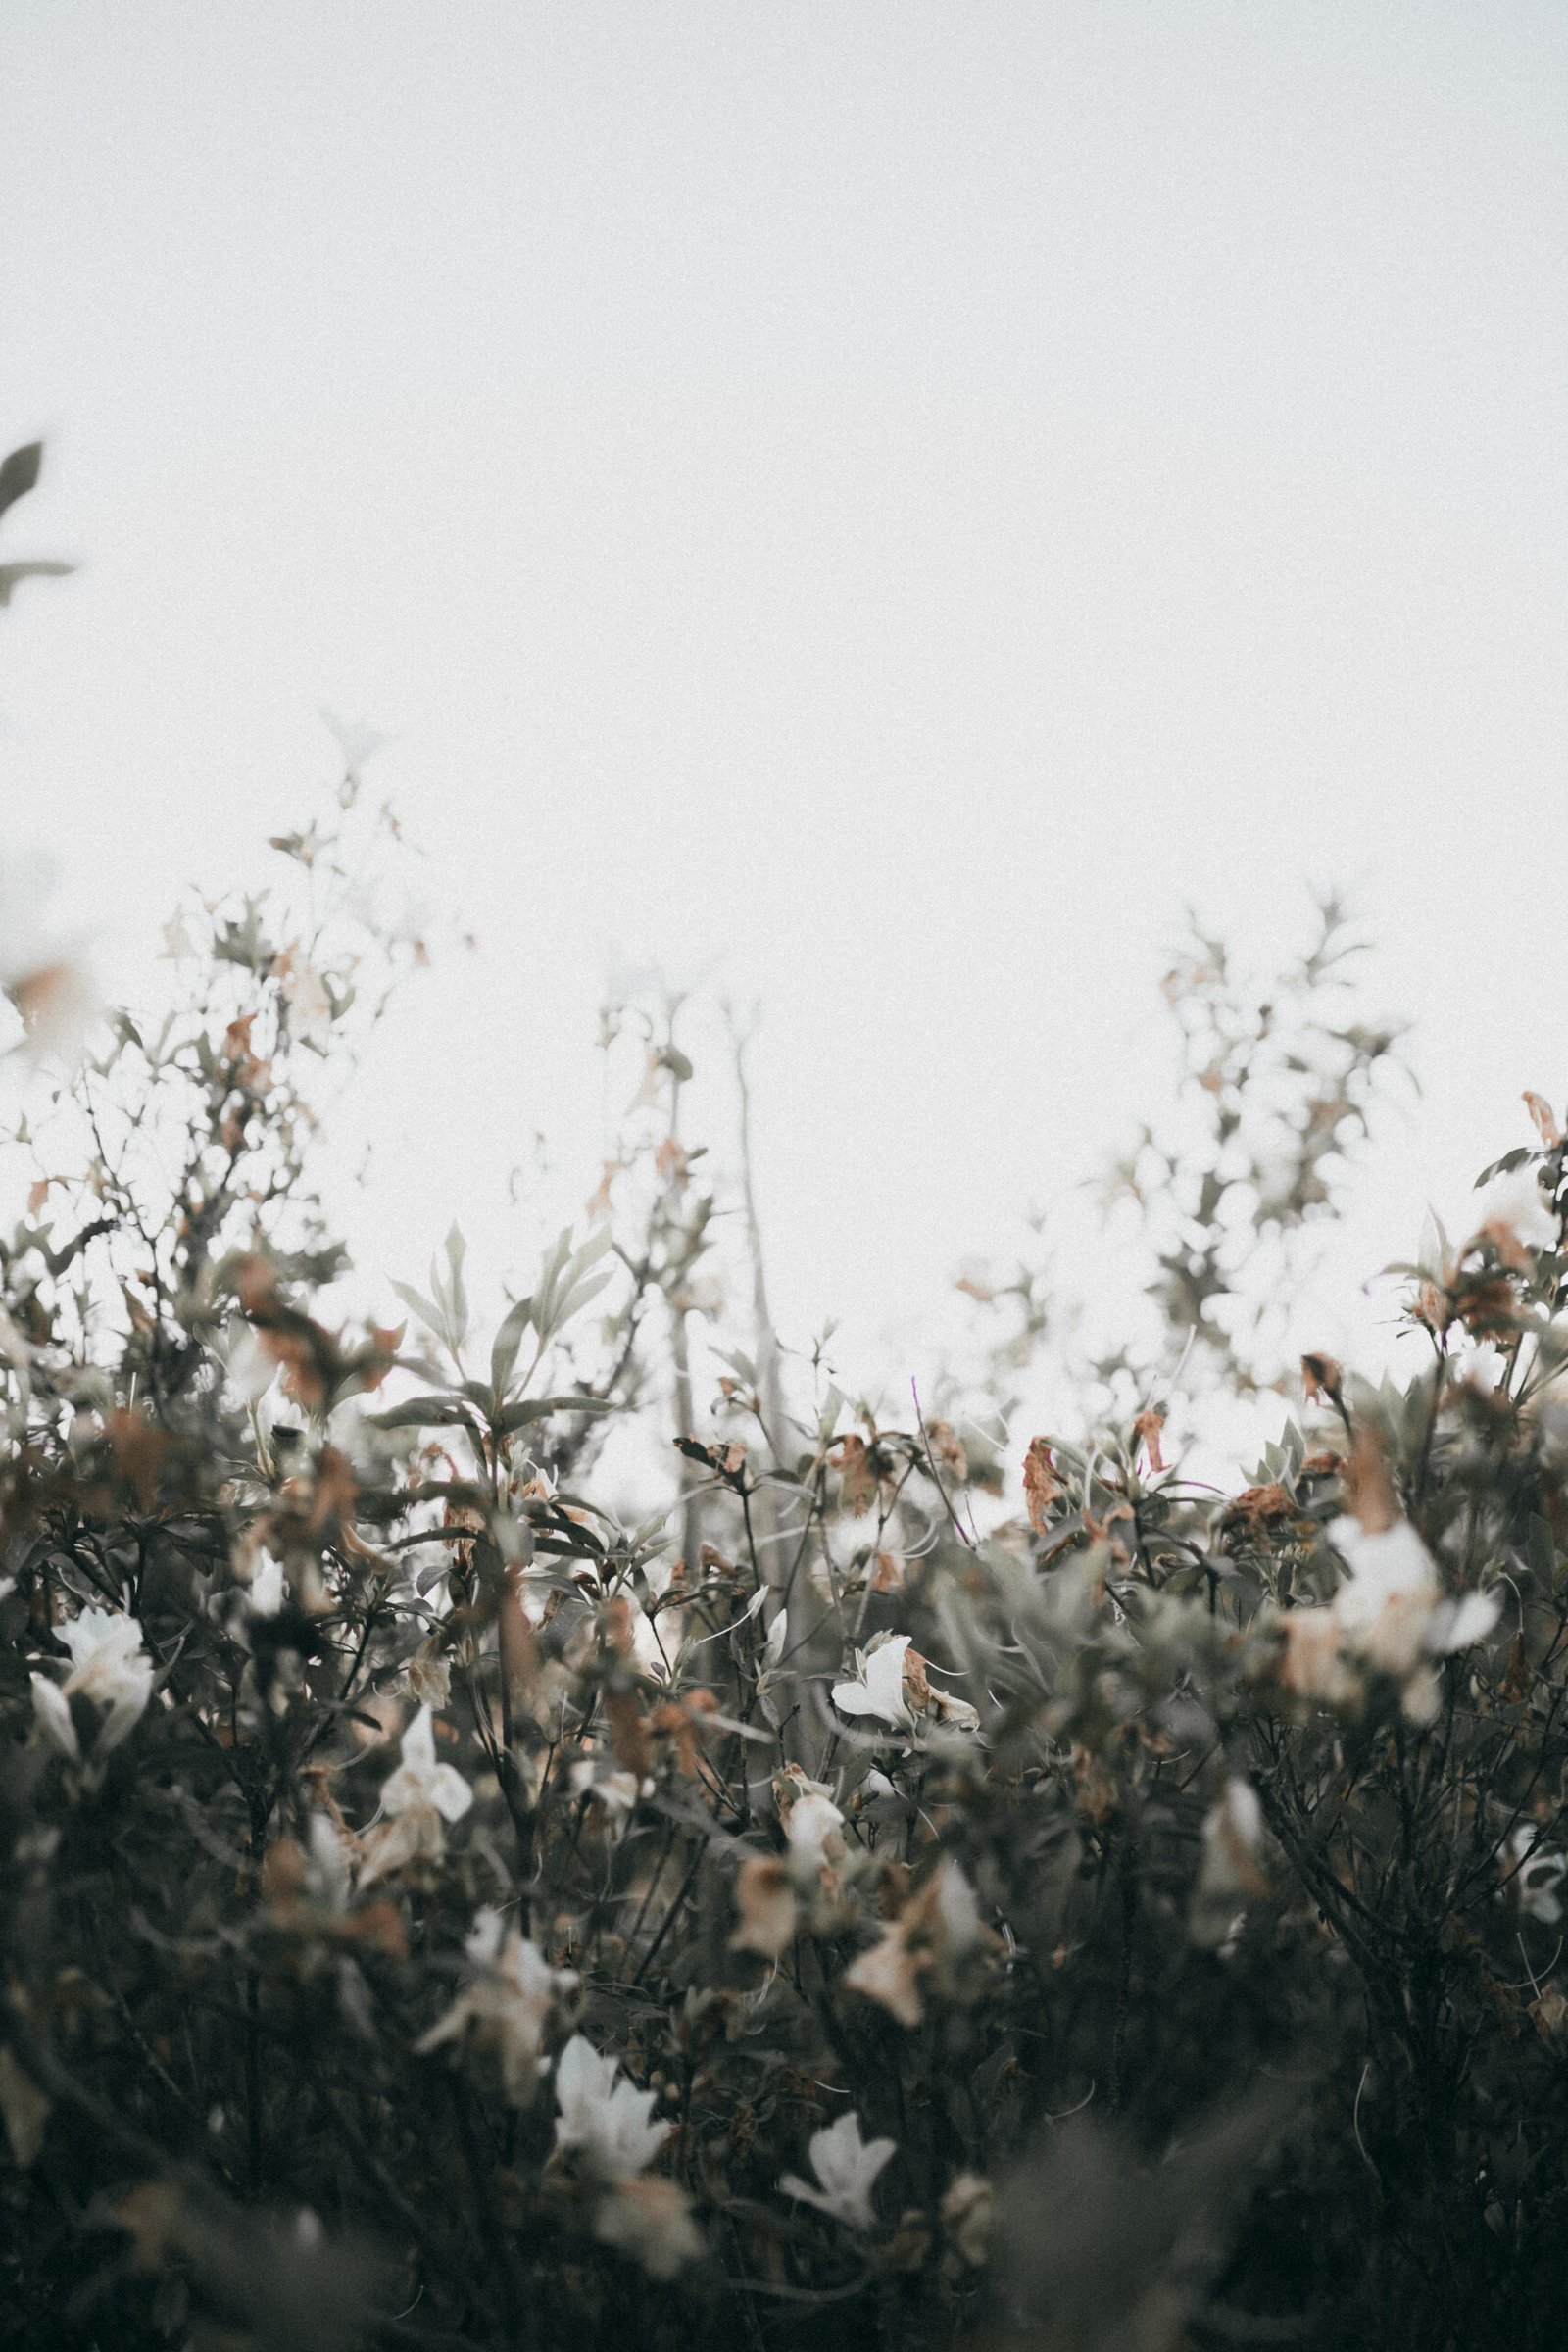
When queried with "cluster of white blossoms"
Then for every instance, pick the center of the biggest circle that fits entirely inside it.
(607, 2124)
(109, 1666)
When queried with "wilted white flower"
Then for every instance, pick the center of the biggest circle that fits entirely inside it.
(608, 2121)
(951, 1709)
(967, 2215)
(768, 1912)
(427, 1676)
(417, 1799)
(877, 1684)
(651, 2221)
(109, 1666)
(846, 2167)
(507, 2004)
(936, 1929)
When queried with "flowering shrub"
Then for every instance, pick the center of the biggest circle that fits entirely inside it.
(903, 1886)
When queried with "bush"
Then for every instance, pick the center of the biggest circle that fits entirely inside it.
(899, 1885)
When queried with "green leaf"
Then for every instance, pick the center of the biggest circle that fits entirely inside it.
(539, 1409)
(429, 1315)
(562, 1287)
(20, 474)
(450, 1291)
(426, 1412)
(1506, 1165)
(508, 1343)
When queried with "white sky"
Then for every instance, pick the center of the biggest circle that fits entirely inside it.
(891, 497)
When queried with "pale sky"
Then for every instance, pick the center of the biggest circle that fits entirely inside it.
(887, 500)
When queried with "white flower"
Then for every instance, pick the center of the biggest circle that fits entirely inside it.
(811, 1825)
(109, 1666)
(617, 1792)
(845, 2166)
(1541, 1870)
(508, 2003)
(417, 1798)
(1462, 1623)
(53, 1716)
(266, 1595)
(1384, 1606)
(608, 2121)
(877, 1687)
(249, 1368)
(1518, 1202)
(1229, 1875)
(357, 742)
(651, 2221)
(1389, 1610)
(420, 1781)
(955, 1910)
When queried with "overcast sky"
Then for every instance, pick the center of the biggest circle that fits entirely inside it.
(887, 500)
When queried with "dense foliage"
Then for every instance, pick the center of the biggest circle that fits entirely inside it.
(921, 1885)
